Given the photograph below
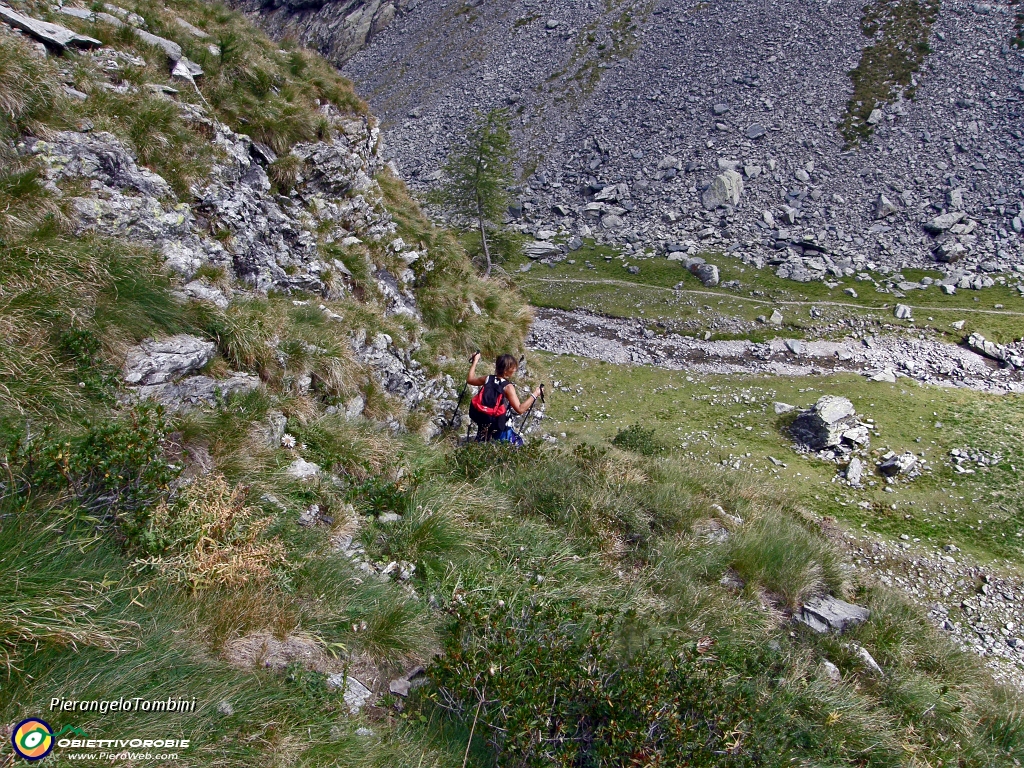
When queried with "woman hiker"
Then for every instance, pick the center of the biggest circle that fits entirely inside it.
(489, 409)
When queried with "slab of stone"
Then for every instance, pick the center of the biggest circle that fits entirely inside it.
(301, 469)
(198, 391)
(192, 30)
(355, 694)
(541, 249)
(855, 471)
(171, 48)
(941, 223)
(53, 35)
(830, 614)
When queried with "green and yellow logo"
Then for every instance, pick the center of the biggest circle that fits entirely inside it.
(32, 739)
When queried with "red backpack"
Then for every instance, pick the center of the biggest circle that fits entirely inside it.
(489, 408)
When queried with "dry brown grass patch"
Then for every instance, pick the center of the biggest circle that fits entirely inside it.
(211, 537)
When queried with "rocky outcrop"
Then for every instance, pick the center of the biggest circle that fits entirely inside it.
(199, 391)
(830, 423)
(161, 370)
(337, 29)
(272, 240)
(157, 362)
(1008, 354)
(259, 240)
(52, 35)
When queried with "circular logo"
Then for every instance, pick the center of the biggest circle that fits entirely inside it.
(32, 739)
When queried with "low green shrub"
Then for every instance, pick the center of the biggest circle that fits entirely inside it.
(639, 440)
(96, 376)
(377, 495)
(557, 685)
(116, 470)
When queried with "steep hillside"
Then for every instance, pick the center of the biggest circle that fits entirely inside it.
(849, 126)
(232, 535)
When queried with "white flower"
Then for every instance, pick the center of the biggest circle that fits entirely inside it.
(288, 441)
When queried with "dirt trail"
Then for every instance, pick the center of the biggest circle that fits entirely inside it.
(886, 358)
(706, 294)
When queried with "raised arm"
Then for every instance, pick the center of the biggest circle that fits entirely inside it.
(471, 378)
(513, 399)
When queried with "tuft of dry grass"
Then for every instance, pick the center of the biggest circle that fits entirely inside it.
(209, 536)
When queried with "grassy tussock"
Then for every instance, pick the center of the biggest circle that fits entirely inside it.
(30, 94)
(42, 605)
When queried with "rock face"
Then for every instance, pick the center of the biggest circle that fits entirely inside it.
(233, 220)
(273, 243)
(335, 28)
(830, 614)
(199, 391)
(829, 423)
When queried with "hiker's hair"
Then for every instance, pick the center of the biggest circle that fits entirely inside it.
(505, 365)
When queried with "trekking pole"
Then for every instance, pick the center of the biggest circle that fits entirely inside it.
(526, 419)
(462, 394)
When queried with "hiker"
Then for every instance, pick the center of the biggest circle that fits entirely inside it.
(489, 410)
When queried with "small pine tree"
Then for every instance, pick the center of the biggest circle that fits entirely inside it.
(479, 175)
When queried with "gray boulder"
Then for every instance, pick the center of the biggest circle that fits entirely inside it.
(301, 469)
(706, 273)
(541, 249)
(726, 189)
(941, 223)
(903, 312)
(884, 207)
(157, 362)
(830, 614)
